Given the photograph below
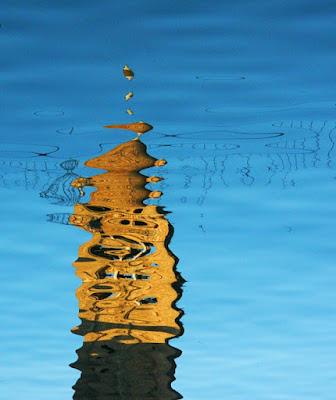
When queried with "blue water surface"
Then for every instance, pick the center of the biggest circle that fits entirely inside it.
(241, 95)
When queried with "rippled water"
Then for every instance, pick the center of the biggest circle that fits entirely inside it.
(241, 96)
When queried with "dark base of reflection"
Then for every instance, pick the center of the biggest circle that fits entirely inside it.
(114, 370)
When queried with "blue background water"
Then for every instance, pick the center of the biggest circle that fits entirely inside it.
(252, 209)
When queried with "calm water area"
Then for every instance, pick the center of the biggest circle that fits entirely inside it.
(215, 282)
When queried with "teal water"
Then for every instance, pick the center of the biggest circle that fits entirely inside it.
(242, 99)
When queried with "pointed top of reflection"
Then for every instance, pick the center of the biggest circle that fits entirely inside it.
(131, 156)
(137, 127)
(129, 74)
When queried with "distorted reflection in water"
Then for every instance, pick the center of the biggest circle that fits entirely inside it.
(130, 284)
(241, 97)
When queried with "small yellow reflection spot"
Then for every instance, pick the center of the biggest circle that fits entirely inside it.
(155, 194)
(129, 95)
(160, 163)
(154, 179)
(129, 74)
(129, 112)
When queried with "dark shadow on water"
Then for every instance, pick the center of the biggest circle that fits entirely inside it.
(114, 370)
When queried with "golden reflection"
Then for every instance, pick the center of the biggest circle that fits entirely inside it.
(129, 74)
(137, 127)
(127, 300)
(128, 95)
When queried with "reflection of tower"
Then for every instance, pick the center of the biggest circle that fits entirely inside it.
(130, 284)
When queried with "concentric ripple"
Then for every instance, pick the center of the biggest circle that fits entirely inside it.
(24, 150)
(247, 110)
(220, 78)
(49, 113)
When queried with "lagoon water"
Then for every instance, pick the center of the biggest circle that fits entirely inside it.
(241, 95)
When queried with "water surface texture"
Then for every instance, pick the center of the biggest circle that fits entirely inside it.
(204, 263)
